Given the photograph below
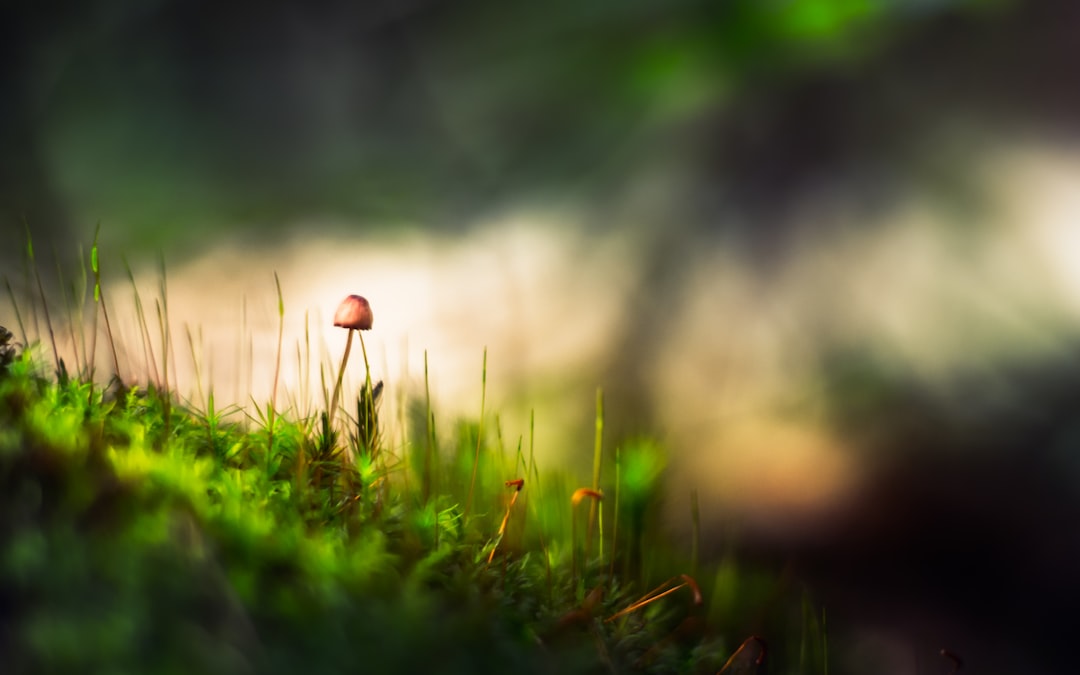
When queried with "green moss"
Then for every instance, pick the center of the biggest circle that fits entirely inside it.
(134, 545)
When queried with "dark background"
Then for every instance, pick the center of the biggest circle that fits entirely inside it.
(160, 117)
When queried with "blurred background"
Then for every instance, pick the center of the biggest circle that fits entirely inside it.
(826, 250)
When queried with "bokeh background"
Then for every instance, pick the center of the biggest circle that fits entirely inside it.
(826, 250)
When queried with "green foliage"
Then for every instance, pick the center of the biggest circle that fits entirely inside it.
(141, 533)
(7, 349)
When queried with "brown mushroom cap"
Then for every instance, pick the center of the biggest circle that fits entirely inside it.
(354, 312)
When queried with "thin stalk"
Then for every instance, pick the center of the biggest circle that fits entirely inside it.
(148, 347)
(305, 395)
(211, 421)
(250, 366)
(598, 442)
(28, 284)
(532, 438)
(99, 298)
(403, 428)
(249, 355)
(649, 598)
(296, 398)
(195, 362)
(577, 588)
(71, 305)
(41, 294)
(615, 513)
(500, 447)
(369, 396)
(238, 372)
(93, 337)
(519, 460)
(517, 484)
(18, 314)
(85, 368)
(431, 427)
(523, 471)
(163, 319)
(167, 350)
(277, 373)
(322, 384)
(737, 662)
(479, 434)
(695, 540)
(575, 499)
(429, 441)
(532, 470)
(300, 476)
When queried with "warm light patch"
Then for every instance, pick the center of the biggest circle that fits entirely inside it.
(774, 473)
(514, 286)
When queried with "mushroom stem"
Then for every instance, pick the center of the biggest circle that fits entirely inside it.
(341, 374)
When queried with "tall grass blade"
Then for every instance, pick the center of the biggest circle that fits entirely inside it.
(615, 514)
(341, 375)
(97, 301)
(18, 314)
(74, 304)
(164, 392)
(594, 507)
(271, 412)
(41, 295)
(479, 434)
(195, 364)
(140, 315)
(369, 396)
(695, 536)
(166, 334)
(428, 479)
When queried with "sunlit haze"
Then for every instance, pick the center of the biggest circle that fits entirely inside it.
(736, 379)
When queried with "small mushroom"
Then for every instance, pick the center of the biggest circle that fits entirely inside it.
(354, 313)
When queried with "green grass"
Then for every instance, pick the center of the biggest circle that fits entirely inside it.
(143, 533)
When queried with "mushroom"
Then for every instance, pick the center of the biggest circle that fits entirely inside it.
(354, 313)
